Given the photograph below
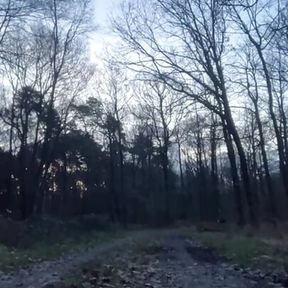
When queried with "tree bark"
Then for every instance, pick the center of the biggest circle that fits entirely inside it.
(165, 161)
(234, 174)
(214, 170)
(231, 129)
(115, 207)
(272, 205)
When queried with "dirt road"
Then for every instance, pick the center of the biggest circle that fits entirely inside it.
(174, 262)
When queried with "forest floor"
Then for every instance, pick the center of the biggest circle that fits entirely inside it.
(170, 258)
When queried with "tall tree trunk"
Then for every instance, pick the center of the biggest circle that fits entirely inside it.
(10, 169)
(180, 165)
(65, 186)
(280, 144)
(231, 129)
(283, 120)
(122, 188)
(114, 203)
(23, 176)
(183, 190)
(272, 202)
(214, 170)
(201, 177)
(23, 188)
(165, 163)
(234, 174)
(134, 169)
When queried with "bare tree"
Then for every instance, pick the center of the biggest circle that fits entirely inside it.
(260, 26)
(183, 43)
(163, 112)
(115, 91)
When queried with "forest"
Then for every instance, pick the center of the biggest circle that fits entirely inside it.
(184, 118)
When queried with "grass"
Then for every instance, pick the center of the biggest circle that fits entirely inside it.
(245, 250)
(12, 259)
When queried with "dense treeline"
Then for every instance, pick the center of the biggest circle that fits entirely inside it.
(188, 122)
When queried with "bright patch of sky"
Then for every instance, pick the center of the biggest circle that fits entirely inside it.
(103, 38)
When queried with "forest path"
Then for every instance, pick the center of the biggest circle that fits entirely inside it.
(174, 262)
(187, 264)
(42, 274)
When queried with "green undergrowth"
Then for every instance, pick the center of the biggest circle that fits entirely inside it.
(12, 259)
(245, 250)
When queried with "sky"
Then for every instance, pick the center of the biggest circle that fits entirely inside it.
(103, 8)
(103, 36)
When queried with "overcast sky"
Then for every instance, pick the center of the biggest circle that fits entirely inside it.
(103, 37)
(103, 8)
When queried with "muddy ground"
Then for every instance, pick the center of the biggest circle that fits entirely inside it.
(167, 260)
